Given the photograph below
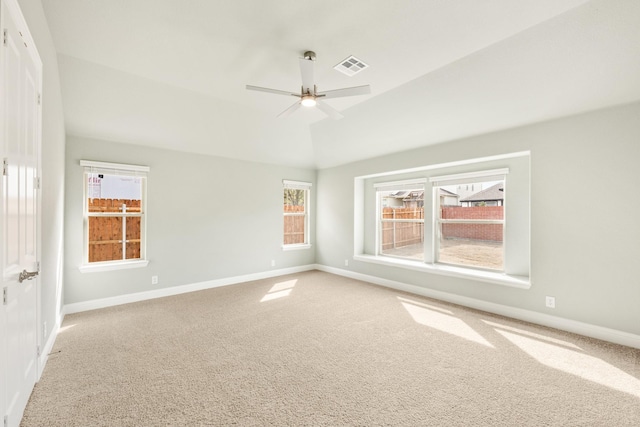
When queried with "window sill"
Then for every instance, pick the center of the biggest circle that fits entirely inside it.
(112, 265)
(296, 247)
(521, 282)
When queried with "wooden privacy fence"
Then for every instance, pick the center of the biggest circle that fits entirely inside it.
(399, 233)
(294, 225)
(402, 233)
(106, 231)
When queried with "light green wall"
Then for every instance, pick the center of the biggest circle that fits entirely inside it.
(207, 218)
(585, 233)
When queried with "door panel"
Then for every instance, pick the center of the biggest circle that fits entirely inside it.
(20, 125)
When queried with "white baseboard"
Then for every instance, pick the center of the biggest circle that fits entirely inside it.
(586, 329)
(177, 290)
(48, 346)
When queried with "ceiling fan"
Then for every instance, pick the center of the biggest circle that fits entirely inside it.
(309, 95)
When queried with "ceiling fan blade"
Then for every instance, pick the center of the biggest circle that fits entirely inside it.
(288, 111)
(348, 91)
(306, 71)
(329, 111)
(276, 91)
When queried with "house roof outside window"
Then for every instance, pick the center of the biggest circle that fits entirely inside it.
(493, 193)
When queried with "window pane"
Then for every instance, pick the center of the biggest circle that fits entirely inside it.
(473, 245)
(402, 199)
(402, 238)
(294, 229)
(294, 200)
(133, 237)
(295, 216)
(107, 193)
(105, 186)
(105, 239)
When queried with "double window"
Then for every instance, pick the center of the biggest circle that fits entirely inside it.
(467, 218)
(296, 214)
(114, 213)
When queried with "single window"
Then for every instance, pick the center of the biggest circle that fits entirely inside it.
(401, 219)
(114, 212)
(296, 214)
(469, 219)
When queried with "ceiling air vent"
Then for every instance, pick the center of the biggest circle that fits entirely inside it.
(351, 66)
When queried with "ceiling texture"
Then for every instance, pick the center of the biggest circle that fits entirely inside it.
(172, 73)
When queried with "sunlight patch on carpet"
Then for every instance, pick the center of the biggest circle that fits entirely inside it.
(279, 290)
(532, 335)
(443, 322)
(65, 328)
(575, 363)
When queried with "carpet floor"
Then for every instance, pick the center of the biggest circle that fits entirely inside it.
(315, 349)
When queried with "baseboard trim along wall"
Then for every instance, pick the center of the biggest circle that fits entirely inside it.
(177, 290)
(593, 331)
(48, 346)
(568, 325)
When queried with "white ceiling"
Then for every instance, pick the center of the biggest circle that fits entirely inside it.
(172, 73)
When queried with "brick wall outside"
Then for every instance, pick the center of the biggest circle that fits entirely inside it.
(489, 232)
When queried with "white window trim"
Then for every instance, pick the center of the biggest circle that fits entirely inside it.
(110, 167)
(95, 267)
(359, 254)
(296, 246)
(469, 177)
(299, 185)
(400, 185)
(497, 278)
(91, 166)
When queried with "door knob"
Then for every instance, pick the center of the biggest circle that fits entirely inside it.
(27, 275)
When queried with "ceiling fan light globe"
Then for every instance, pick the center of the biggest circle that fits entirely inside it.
(308, 101)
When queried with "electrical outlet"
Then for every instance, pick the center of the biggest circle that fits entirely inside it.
(154, 280)
(273, 263)
(550, 302)
(346, 263)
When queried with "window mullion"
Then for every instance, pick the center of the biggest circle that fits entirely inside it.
(471, 221)
(124, 231)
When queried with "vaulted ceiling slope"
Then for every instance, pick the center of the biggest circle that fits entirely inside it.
(172, 73)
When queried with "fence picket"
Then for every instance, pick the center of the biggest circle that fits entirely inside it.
(105, 233)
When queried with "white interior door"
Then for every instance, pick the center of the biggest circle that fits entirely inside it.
(20, 87)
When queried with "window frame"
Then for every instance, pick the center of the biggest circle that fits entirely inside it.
(437, 182)
(306, 187)
(137, 171)
(404, 185)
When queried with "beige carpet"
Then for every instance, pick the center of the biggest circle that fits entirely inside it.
(315, 349)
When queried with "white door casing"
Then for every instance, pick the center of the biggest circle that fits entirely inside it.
(20, 87)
